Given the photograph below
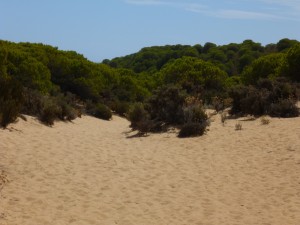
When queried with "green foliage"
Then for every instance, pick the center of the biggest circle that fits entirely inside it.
(274, 98)
(11, 100)
(285, 44)
(99, 110)
(138, 117)
(193, 111)
(166, 104)
(263, 67)
(120, 108)
(233, 81)
(161, 77)
(50, 112)
(284, 108)
(292, 69)
(195, 118)
(195, 76)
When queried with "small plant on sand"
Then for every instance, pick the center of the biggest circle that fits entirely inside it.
(223, 117)
(264, 120)
(238, 126)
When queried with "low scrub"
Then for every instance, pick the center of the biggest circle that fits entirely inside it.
(192, 129)
(138, 117)
(11, 100)
(275, 98)
(121, 108)
(102, 112)
(50, 112)
(264, 120)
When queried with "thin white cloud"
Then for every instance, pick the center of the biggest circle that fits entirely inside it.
(247, 15)
(268, 9)
(177, 4)
(146, 2)
(295, 4)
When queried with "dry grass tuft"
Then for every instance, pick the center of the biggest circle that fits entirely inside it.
(264, 120)
(238, 126)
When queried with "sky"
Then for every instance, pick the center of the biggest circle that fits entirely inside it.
(104, 29)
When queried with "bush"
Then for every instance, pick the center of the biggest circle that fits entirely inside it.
(136, 115)
(50, 112)
(284, 108)
(193, 111)
(274, 98)
(102, 112)
(121, 108)
(68, 112)
(11, 100)
(166, 105)
(33, 102)
(192, 129)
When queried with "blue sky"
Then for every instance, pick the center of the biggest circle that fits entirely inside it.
(101, 29)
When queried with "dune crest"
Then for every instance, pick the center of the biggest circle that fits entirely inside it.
(88, 172)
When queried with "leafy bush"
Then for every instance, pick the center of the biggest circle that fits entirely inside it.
(192, 129)
(193, 111)
(166, 105)
(50, 112)
(137, 115)
(195, 118)
(68, 112)
(284, 108)
(121, 108)
(11, 100)
(102, 111)
(33, 102)
(274, 98)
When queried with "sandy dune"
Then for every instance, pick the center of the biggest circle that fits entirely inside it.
(88, 172)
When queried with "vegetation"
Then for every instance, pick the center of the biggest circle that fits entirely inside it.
(154, 88)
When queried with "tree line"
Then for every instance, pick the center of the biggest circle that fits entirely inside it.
(43, 81)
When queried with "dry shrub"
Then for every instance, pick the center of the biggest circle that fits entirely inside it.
(264, 120)
(223, 117)
(238, 126)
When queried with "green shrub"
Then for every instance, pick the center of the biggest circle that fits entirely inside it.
(166, 105)
(121, 108)
(50, 112)
(274, 98)
(68, 112)
(194, 113)
(11, 100)
(102, 112)
(192, 129)
(284, 108)
(137, 115)
(33, 102)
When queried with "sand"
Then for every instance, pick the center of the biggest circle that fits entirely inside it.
(89, 172)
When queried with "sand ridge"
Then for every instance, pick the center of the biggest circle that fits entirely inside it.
(88, 172)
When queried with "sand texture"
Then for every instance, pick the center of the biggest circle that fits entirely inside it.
(89, 172)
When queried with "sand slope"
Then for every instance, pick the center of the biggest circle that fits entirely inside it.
(88, 172)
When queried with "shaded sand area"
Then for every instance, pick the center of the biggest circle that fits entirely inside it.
(88, 172)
